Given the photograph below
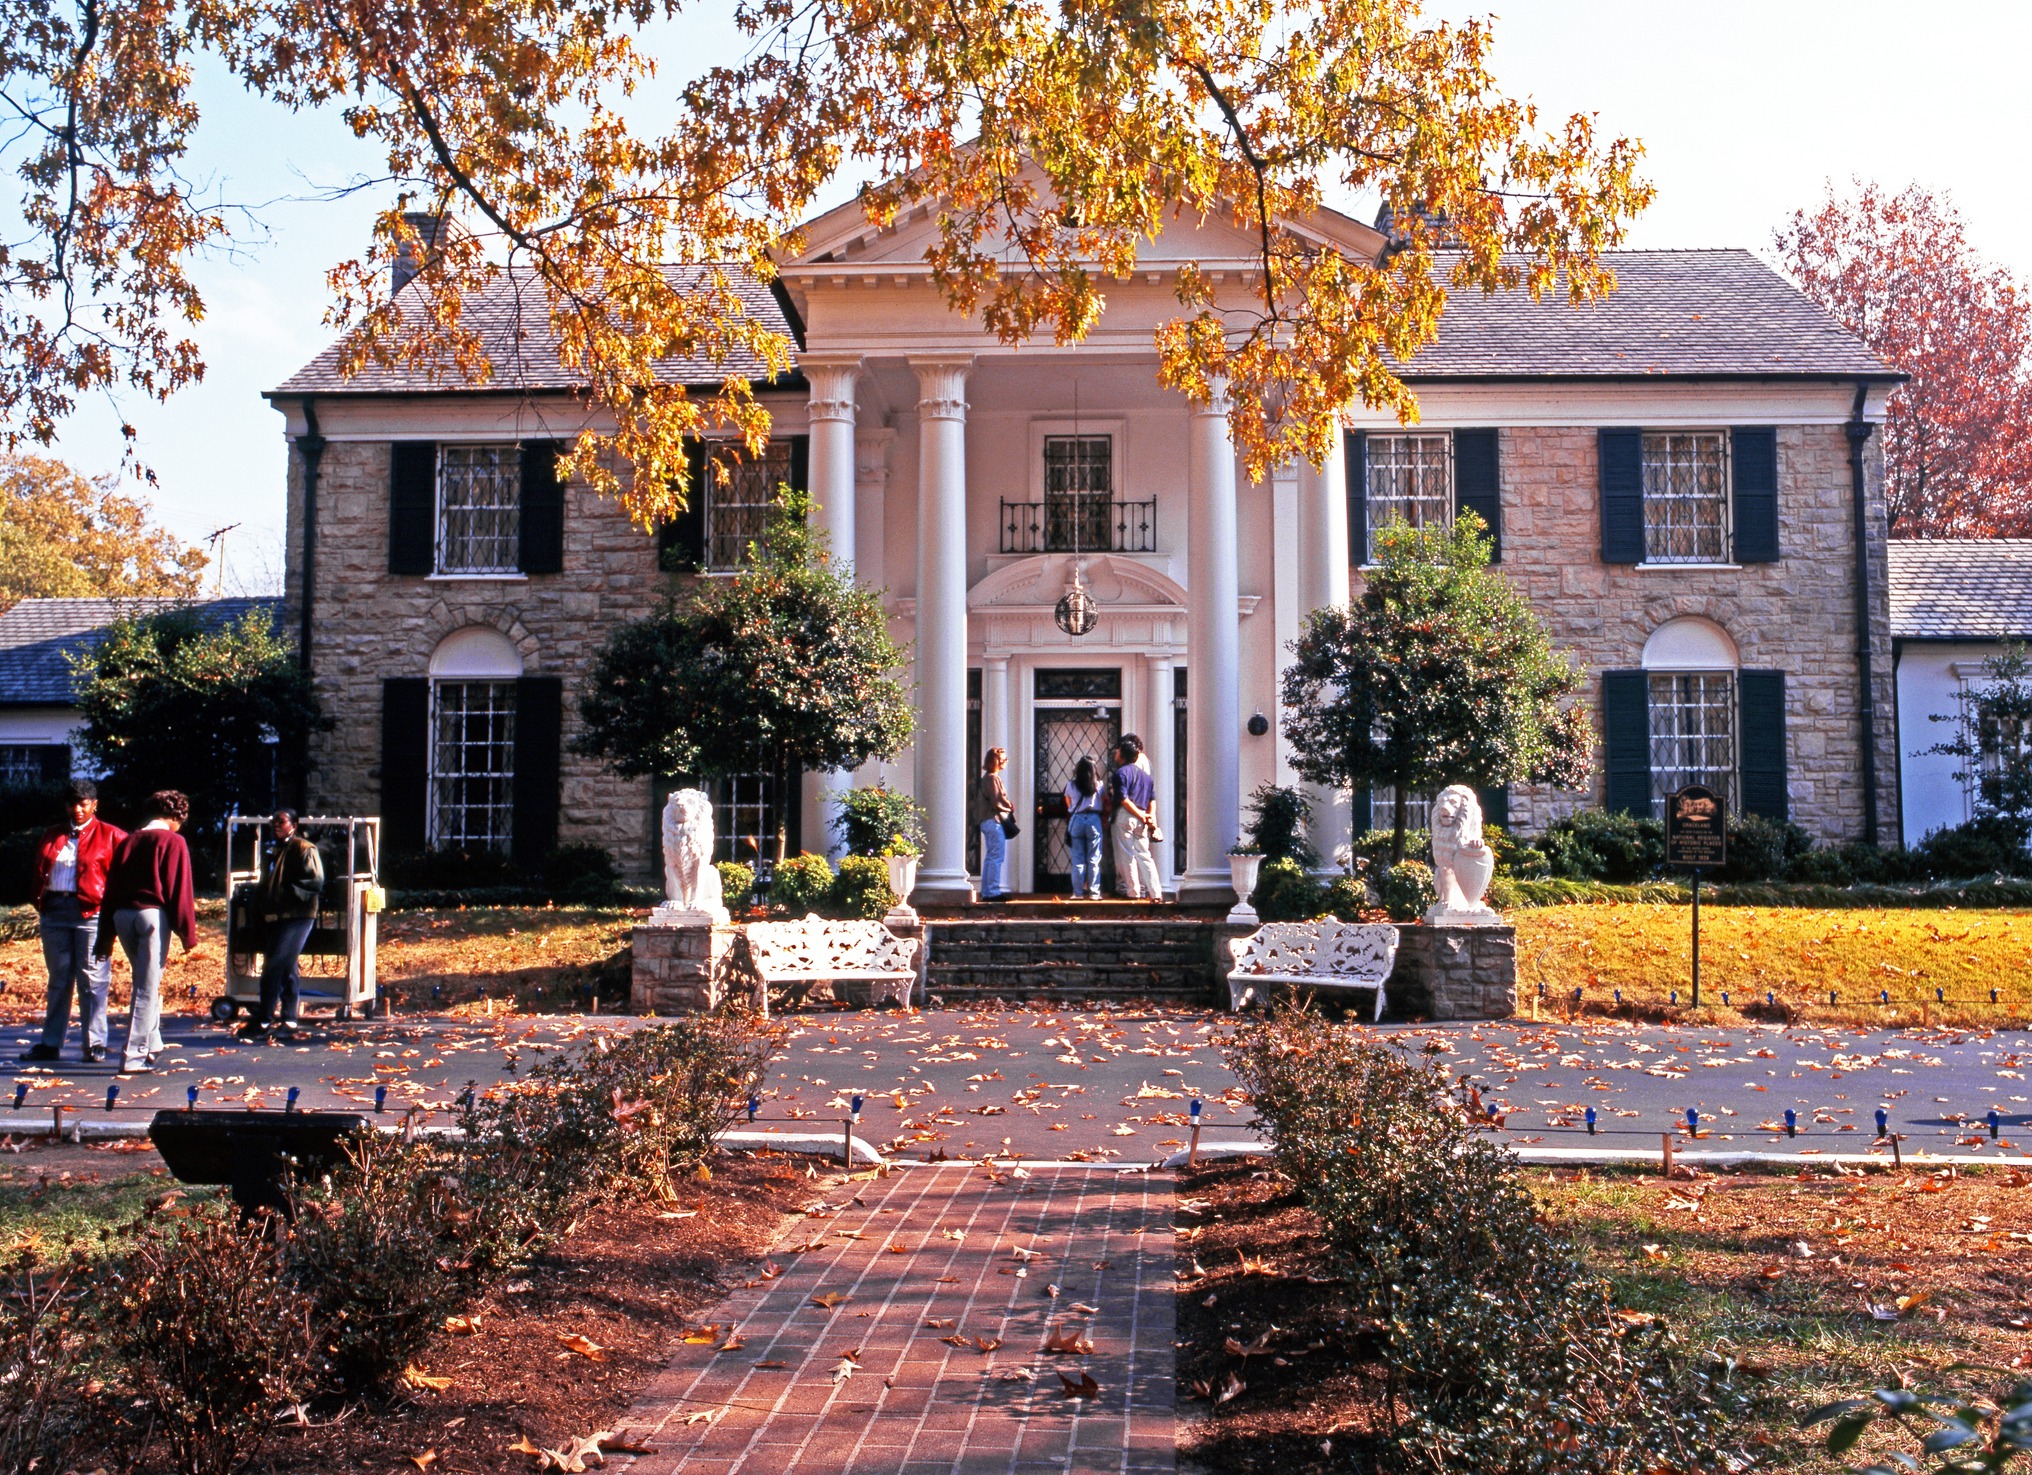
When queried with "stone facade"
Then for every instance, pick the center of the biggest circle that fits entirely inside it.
(685, 970)
(1796, 615)
(1455, 972)
(370, 625)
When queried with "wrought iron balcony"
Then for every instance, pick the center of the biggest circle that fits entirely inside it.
(1079, 525)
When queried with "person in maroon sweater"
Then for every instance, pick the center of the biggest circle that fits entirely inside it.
(149, 897)
(70, 878)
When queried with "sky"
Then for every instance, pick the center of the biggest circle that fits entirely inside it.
(1748, 109)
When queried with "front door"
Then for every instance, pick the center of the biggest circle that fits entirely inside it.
(1078, 713)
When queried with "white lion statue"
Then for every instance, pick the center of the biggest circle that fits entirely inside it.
(1462, 862)
(690, 882)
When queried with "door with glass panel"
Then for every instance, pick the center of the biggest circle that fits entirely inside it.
(1075, 714)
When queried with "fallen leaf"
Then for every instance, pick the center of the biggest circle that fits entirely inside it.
(1086, 1387)
(1063, 1340)
(734, 1343)
(423, 1461)
(584, 1346)
(826, 1300)
(845, 1370)
(1914, 1301)
(1231, 1387)
(462, 1326)
(522, 1446)
(702, 1416)
(417, 1378)
(703, 1336)
(940, 1322)
(773, 1366)
(1654, 1252)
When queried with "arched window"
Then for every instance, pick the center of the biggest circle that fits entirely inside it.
(1690, 669)
(473, 676)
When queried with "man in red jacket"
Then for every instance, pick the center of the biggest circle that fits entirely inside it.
(149, 898)
(70, 882)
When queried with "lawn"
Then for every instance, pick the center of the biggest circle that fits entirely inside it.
(1798, 955)
(1796, 1289)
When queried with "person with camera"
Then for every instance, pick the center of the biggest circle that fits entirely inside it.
(288, 907)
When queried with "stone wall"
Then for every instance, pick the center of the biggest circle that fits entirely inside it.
(685, 970)
(1454, 972)
(1796, 615)
(371, 625)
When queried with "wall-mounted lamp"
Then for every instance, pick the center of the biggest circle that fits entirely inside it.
(1258, 725)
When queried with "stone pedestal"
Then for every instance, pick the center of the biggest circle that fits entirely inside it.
(1449, 972)
(684, 969)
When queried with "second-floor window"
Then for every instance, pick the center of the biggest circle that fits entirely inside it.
(1079, 483)
(1410, 480)
(479, 523)
(1686, 496)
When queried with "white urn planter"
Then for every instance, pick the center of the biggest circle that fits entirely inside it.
(902, 881)
(1242, 871)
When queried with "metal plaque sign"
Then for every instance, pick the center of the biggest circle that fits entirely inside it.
(1696, 828)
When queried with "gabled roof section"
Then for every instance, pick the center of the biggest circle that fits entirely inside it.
(1961, 589)
(38, 636)
(512, 320)
(1713, 314)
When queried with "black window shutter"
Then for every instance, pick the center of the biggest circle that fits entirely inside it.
(412, 508)
(1753, 460)
(800, 462)
(1360, 803)
(1761, 696)
(539, 745)
(681, 542)
(542, 509)
(55, 761)
(1478, 484)
(1622, 483)
(1495, 804)
(405, 763)
(1358, 497)
(1626, 741)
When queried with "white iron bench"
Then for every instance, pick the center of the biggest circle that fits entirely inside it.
(867, 956)
(1314, 955)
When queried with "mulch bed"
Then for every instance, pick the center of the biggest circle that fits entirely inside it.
(1819, 1285)
(629, 1280)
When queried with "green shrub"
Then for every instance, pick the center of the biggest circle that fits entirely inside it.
(579, 872)
(1285, 893)
(1761, 849)
(862, 889)
(1981, 847)
(1405, 890)
(804, 883)
(737, 883)
(1371, 850)
(1346, 899)
(450, 869)
(1276, 823)
(869, 820)
(1508, 1351)
(212, 1335)
(1595, 845)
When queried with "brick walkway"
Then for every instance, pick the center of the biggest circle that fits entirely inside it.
(917, 1404)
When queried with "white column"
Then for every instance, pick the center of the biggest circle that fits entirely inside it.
(998, 717)
(1157, 728)
(1323, 563)
(1213, 654)
(942, 626)
(832, 492)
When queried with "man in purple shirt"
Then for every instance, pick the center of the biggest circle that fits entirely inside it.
(1133, 793)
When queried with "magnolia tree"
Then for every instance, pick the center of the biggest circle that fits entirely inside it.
(1439, 672)
(1050, 143)
(1993, 742)
(786, 666)
(1899, 273)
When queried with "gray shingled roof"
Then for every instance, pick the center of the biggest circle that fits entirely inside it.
(1961, 589)
(37, 635)
(514, 328)
(1672, 313)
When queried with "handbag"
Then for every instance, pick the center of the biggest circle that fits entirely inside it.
(1010, 829)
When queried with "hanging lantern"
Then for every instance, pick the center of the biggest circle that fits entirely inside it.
(1077, 614)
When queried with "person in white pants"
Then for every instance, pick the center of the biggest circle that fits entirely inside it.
(1134, 795)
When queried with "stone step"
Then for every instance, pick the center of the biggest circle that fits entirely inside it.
(1114, 957)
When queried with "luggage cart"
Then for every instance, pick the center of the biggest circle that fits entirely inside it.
(337, 965)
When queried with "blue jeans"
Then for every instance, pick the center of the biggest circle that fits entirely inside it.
(1083, 835)
(67, 938)
(994, 847)
(278, 968)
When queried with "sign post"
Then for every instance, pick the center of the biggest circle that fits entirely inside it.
(1696, 836)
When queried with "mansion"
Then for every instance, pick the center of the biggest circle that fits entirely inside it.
(1682, 478)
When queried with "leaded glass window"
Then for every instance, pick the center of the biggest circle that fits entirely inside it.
(1079, 483)
(740, 490)
(1383, 809)
(744, 818)
(1410, 480)
(1686, 497)
(1693, 733)
(479, 526)
(472, 764)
